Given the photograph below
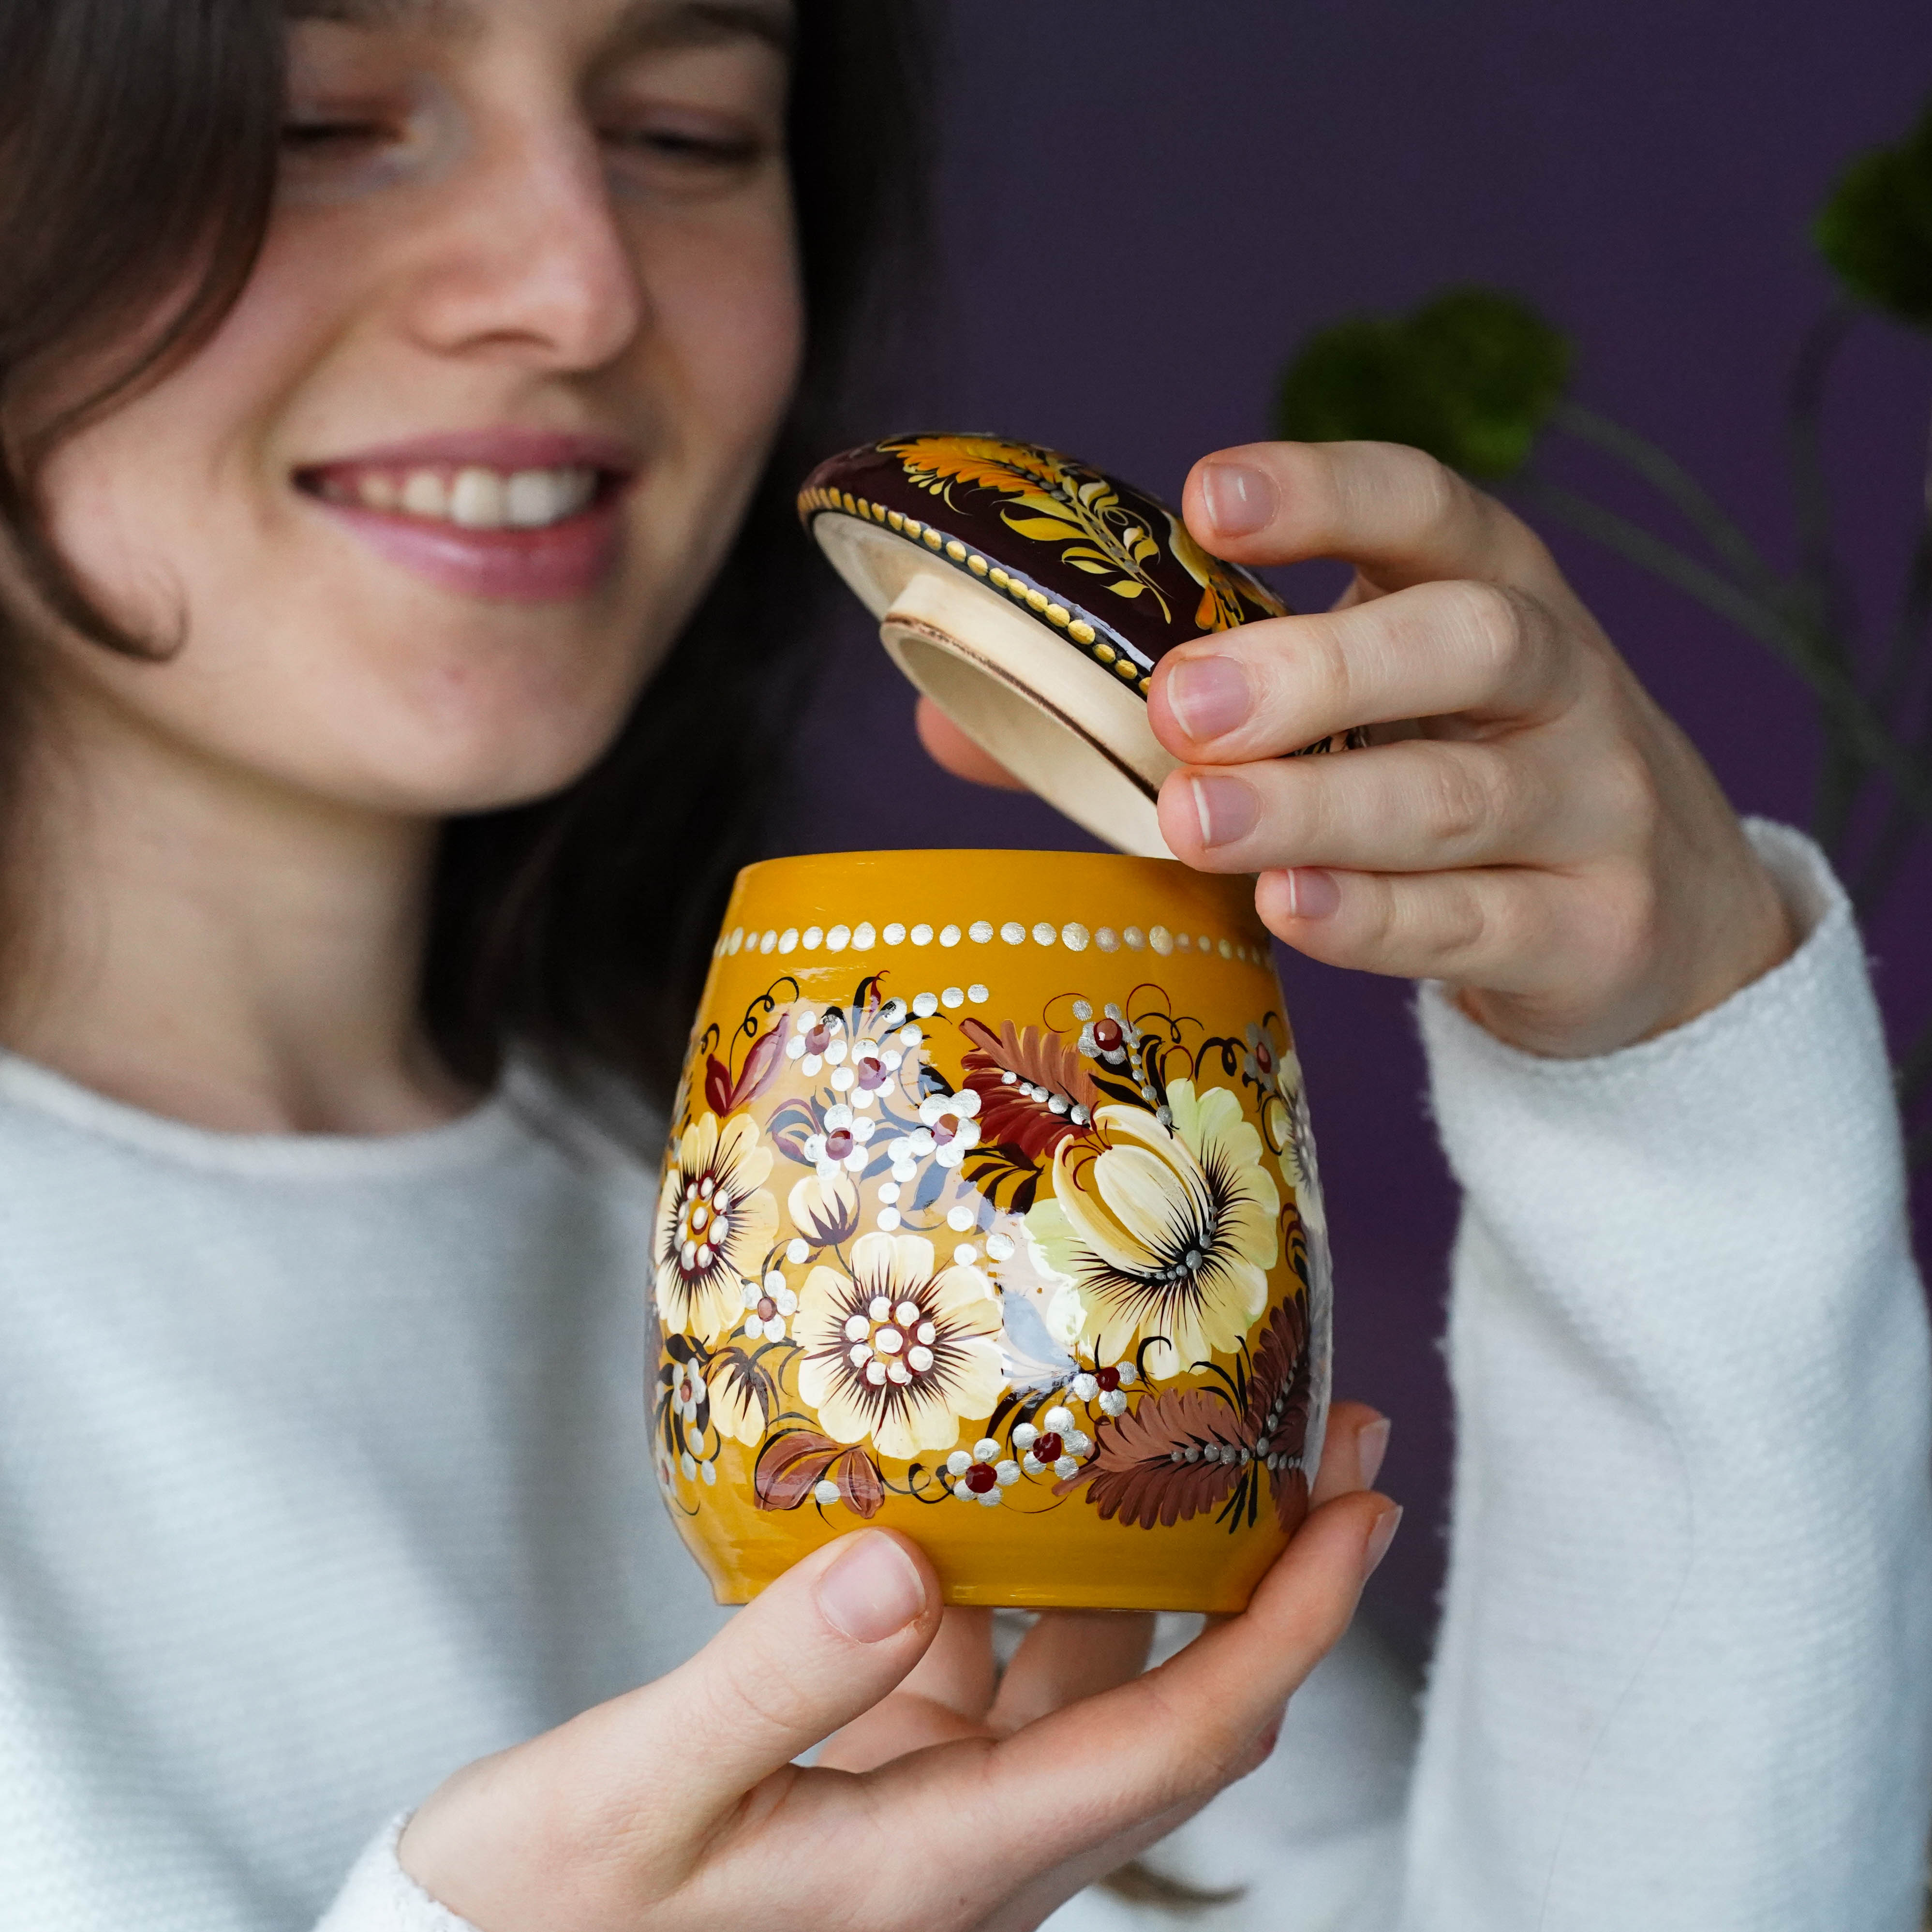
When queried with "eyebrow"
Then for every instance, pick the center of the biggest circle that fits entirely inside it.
(645, 25)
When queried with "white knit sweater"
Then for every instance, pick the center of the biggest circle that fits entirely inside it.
(323, 1470)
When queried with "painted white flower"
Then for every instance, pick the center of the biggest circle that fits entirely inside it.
(1106, 1386)
(843, 1143)
(948, 1128)
(901, 1352)
(769, 1305)
(872, 1068)
(1106, 1039)
(1166, 1234)
(981, 1475)
(1056, 1446)
(688, 1393)
(812, 1033)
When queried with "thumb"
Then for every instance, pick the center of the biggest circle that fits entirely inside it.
(629, 1796)
(826, 1642)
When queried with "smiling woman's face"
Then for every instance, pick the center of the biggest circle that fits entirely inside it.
(429, 509)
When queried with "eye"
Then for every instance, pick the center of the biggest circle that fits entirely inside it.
(354, 144)
(324, 134)
(679, 145)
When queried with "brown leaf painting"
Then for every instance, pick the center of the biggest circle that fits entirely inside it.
(1177, 1454)
(794, 1464)
(1280, 1400)
(1018, 1112)
(1141, 1472)
(761, 1063)
(791, 1466)
(723, 1094)
(859, 1483)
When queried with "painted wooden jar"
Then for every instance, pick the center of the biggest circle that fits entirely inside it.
(990, 1213)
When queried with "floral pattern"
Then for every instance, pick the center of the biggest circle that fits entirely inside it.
(744, 1395)
(1297, 1137)
(715, 1222)
(1098, 527)
(1054, 1278)
(1186, 1450)
(1056, 501)
(900, 1352)
(1166, 1228)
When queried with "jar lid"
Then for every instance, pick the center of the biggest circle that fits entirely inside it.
(1030, 596)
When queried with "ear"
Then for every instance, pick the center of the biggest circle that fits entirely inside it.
(950, 748)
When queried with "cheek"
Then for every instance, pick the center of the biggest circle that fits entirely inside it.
(156, 505)
(729, 311)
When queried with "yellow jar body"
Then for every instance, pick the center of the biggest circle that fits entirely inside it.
(990, 1214)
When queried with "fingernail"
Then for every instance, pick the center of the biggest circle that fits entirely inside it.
(1371, 1441)
(1228, 810)
(1240, 500)
(1312, 892)
(1209, 696)
(873, 1592)
(1380, 1537)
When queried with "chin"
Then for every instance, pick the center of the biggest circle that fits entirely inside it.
(444, 776)
(464, 732)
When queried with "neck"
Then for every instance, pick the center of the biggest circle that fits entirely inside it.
(197, 942)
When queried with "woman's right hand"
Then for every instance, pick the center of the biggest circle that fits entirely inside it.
(678, 1805)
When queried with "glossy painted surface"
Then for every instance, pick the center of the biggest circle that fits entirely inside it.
(1030, 597)
(1108, 568)
(990, 1214)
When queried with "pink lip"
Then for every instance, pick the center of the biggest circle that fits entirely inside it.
(566, 561)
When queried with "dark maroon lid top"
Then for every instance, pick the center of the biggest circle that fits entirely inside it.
(1112, 569)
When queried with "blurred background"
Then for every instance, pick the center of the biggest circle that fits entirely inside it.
(1146, 209)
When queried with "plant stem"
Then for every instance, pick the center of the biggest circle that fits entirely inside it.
(1840, 697)
(1818, 558)
(1896, 833)
(1895, 688)
(1801, 607)
(1680, 489)
(1820, 588)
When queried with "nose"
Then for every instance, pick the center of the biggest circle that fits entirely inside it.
(529, 263)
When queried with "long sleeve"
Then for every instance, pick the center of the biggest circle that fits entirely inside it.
(1685, 1676)
(380, 1897)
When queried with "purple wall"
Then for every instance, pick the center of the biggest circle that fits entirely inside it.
(1146, 206)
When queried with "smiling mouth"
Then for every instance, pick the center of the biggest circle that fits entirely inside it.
(470, 496)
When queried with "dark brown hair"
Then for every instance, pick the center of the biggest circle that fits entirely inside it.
(139, 145)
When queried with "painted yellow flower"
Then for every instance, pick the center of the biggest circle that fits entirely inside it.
(744, 1395)
(1295, 1131)
(1166, 1235)
(716, 1226)
(825, 1208)
(900, 1352)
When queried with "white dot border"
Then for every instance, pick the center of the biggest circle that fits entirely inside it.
(888, 935)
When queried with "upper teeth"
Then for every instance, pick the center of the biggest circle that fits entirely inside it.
(475, 498)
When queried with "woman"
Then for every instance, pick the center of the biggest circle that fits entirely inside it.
(396, 459)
